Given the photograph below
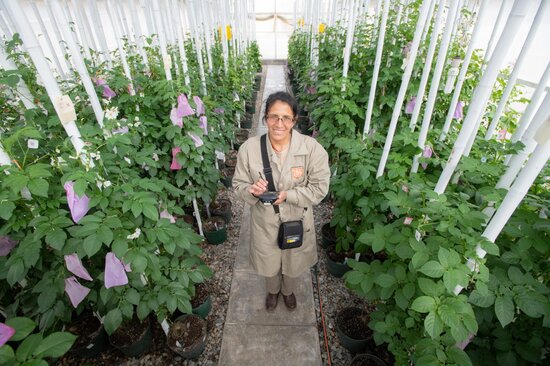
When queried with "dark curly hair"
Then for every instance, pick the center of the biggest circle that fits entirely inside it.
(284, 97)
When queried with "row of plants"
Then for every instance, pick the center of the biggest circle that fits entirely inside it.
(405, 248)
(103, 233)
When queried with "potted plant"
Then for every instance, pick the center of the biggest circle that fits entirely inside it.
(227, 176)
(221, 207)
(133, 337)
(201, 301)
(328, 235)
(92, 338)
(337, 261)
(215, 229)
(187, 336)
(352, 327)
(366, 359)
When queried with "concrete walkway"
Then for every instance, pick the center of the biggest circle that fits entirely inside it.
(252, 336)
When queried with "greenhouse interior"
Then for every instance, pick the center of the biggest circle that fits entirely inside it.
(399, 214)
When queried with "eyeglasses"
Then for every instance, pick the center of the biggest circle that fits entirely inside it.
(273, 118)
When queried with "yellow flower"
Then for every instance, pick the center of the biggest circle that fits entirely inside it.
(321, 27)
(228, 30)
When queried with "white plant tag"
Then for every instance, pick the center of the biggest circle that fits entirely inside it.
(26, 194)
(357, 255)
(220, 155)
(65, 109)
(408, 220)
(32, 144)
(417, 235)
(143, 279)
(165, 326)
(167, 62)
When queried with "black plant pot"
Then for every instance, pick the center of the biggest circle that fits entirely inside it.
(352, 328)
(183, 331)
(222, 207)
(138, 346)
(328, 235)
(93, 338)
(336, 268)
(366, 359)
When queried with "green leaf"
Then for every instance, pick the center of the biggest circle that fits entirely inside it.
(7, 356)
(6, 210)
(419, 258)
(105, 235)
(504, 310)
(56, 238)
(16, 271)
(23, 327)
(151, 212)
(354, 277)
(113, 319)
(136, 208)
(433, 325)
(39, 187)
(27, 347)
(408, 290)
(139, 263)
(478, 299)
(428, 286)
(458, 356)
(490, 248)
(432, 269)
(132, 296)
(423, 304)
(91, 245)
(385, 280)
(448, 316)
(516, 276)
(55, 345)
(143, 310)
(39, 171)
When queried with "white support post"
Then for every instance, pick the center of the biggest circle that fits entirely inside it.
(206, 29)
(138, 33)
(224, 40)
(427, 65)
(377, 61)
(430, 15)
(440, 63)
(422, 21)
(511, 82)
(35, 52)
(98, 24)
(525, 119)
(179, 26)
(79, 64)
(4, 25)
(494, 33)
(162, 41)
(4, 157)
(349, 41)
(48, 40)
(122, 23)
(78, 27)
(529, 140)
(79, 8)
(483, 91)
(198, 46)
(149, 29)
(121, 51)
(464, 69)
(22, 89)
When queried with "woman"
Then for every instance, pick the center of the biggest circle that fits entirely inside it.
(301, 177)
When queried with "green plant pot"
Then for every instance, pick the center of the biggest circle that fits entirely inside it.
(326, 238)
(227, 176)
(337, 269)
(352, 344)
(246, 123)
(216, 236)
(223, 212)
(251, 108)
(194, 350)
(204, 309)
(138, 347)
(366, 359)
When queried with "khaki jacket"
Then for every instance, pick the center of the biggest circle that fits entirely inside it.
(305, 175)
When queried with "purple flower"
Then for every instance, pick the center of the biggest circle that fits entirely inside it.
(458, 110)
(175, 118)
(108, 92)
(501, 135)
(200, 105)
(166, 215)
(203, 123)
(409, 108)
(196, 139)
(6, 332)
(121, 130)
(115, 271)
(184, 109)
(74, 265)
(219, 110)
(312, 90)
(75, 290)
(465, 342)
(6, 245)
(175, 165)
(99, 81)
(427, 153)
(77, 205)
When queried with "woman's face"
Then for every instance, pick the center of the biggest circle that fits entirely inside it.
(280, 120)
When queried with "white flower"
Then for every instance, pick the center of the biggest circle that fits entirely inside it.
(135, 235)
(106, 101)
(111, 113)
(137, 124)
(155, 157)
(141, 95)
(99, 184)
(136, 118)
(145, 167)
(483, 159)
(107, 183)
(128, 160)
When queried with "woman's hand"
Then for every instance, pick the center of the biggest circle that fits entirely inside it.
(281, 198)
(259, 187)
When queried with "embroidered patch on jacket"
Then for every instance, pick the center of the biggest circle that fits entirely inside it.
(297, 172)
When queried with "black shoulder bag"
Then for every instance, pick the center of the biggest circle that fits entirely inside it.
(291, 233)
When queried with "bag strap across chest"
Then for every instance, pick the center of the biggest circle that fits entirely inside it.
(268, 172)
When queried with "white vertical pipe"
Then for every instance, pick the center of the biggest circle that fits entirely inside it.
(422, 21)
(430, 14)
(48, 39)
(528, 140)
(206, 28)
(78, 27)
(377, 61)
(483, 91)
(511, 82)
(494, 32)
(4, 25)
(58, 39)
(4, 157)
(349, 40)
(464, 69)
(525, 119)
(224, 39)
(35, 52)
(162, 40)
(120, 48)
(176, 13)
(427, 65)
(79, 7)
(122, 21)
(149, 30)
(198, 46)
(98, 24)
(440, 63)
(79, 64)
(22, 89)
(138, 33)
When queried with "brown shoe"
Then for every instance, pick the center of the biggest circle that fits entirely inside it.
(271, 302)
(290, 301)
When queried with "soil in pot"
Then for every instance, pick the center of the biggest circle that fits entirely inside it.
(366, 359)
(353, 328)
(201, 302)
(338, 257)
(92, 338)
(132, 337)
(336, 265)
(227, 176)
(214, 223)
(221, 207)
(187, 336)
